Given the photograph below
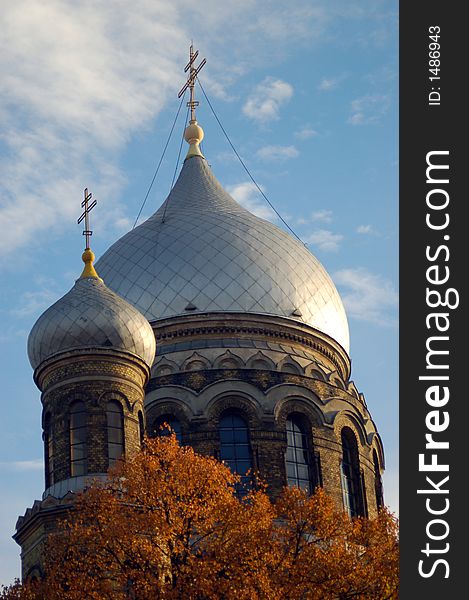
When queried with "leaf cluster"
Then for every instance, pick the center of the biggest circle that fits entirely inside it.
(170, 524)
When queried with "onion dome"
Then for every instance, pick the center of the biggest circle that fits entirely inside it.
(203, 252)
(90, 316)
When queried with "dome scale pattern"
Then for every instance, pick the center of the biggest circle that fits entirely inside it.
(90, 315)
(202, 249)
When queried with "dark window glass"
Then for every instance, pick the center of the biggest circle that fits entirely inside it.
(115, 431)
(49, 452)
(78, 440)
(298, 456)
(378, 482)
(235, 449)
(350, 474)
(173, 423)
(141, 427)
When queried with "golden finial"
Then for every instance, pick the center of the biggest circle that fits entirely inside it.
(88, 255)
(194, 134)
(88, 270)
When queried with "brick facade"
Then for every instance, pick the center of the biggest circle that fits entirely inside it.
(94, 377)
(265, 369)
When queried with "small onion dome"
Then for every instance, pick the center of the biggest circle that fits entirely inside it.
(89, 316)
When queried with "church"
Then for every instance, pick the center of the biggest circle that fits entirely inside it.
(218, 323)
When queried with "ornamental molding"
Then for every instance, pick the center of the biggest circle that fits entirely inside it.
(260, 326)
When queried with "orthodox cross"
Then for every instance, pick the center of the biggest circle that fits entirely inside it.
(190, 83)
(88, 207)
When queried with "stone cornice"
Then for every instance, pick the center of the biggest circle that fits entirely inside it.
(221, 325)
(54, 369)
(41, 510)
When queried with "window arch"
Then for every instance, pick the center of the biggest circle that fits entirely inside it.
(378, 482)
(235, 449)
(299, 466)
(115, 431)
(352, 489)
(78, 440)
(174, 424)
(48, 451)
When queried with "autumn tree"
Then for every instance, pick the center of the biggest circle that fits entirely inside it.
(170, 523)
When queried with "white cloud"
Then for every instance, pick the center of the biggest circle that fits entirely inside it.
(10, 334)
(248, 195)
(277, 153)
(367, 297)
(328, 84)
(318, 216)
(323, 215)
(33, 303)
(325, 240)
(226, 157)
(265, 101)
(125, 223)
(79, 79)
(36, 464)
(305, 133)
(291, 21)
(365, 229)
(368, 109)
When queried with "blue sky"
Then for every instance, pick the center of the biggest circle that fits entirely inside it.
(307, 92)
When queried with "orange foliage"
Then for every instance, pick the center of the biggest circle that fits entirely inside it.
(168, 524)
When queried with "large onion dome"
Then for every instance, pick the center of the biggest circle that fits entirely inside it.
(90, 316)
(202, 251)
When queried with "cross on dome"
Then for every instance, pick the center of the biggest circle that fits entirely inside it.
(190, 83)
(194, 134)
(85, 215)
(87, 256)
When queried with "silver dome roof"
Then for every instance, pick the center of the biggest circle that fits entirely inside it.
(202, 251)
(90, 315)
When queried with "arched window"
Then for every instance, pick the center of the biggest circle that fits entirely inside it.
(115, 431)
(78, 440)
(378, 482)
(141, 427)
(298, 456)
(48, 451)
(173, 423)
(235, 449)
(351, 477)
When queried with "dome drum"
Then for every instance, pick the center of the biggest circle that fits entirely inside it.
(235, 331)
(80, 364)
